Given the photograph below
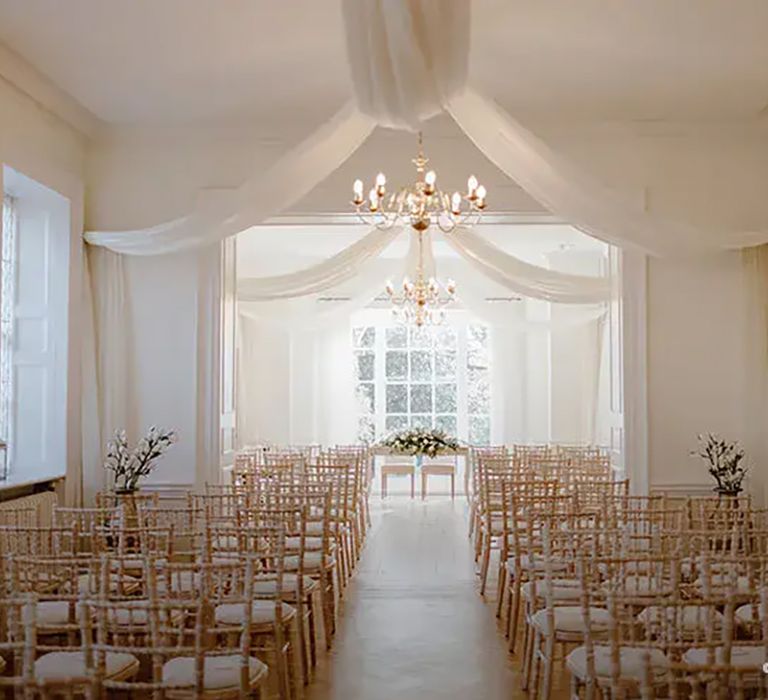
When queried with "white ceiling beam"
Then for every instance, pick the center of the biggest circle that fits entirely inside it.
(26, 78)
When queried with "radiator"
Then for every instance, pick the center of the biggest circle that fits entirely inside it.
(43, 504)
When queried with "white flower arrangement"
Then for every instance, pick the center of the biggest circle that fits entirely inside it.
(726, 463)
(129, 466)
(421, 442)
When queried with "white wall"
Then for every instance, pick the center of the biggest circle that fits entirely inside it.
(709, 174)
(696, 363)
(38, 144)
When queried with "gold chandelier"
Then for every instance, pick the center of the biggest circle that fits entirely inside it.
(422, 301)
(421, 204)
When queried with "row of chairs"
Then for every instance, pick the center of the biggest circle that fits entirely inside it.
(645, 597)
(215, 596)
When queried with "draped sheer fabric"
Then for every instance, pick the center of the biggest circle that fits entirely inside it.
(329, 273)
(408, 61)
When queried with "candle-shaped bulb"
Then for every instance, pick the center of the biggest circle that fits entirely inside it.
(429, 182)
(480, 201)
(456, 203)
(357, 189)
(381, 182)
(451, 287)
(471, 185)
(373, 200)
(389, 288)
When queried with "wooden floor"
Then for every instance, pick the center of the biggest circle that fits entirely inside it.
(413, 626)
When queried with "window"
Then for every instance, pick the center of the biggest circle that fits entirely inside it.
(7, 301)
(422, 377)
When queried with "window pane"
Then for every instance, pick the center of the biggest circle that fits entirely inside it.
(478, 392)
(421, 366)
(396, 365)
(421, 421)
(366, 398)
(421, 338)
(445, 338)
(366, 429)
(480, 430)
(363, 337)
(365, 366)
(394, 423)
(447, 424)
(445, 365)
(477, 347)
(421, 398)
(445, 398)
(397, 398)
(397, 337)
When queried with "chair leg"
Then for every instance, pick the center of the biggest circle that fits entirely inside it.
(528, 634)
(383, 484)
(453, 487)
(312, 631)
(514, 614)
(500, 588)
(546, 676)
(486, 563)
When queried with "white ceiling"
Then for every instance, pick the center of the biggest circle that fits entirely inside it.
(148, 62)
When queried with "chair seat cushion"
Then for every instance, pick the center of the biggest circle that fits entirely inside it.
(723, 581)
(219, 672)
(631, 660)
(262, 613)
(64, 666)
(312, 561)
(689, 618)
(310, 543)
(178, 582)
(54, 613)
(641, 586)
(749, 614)
(743, 656)
(563, 589)
(537, 565)
(570, 619)
(290, 583)
(90, 584)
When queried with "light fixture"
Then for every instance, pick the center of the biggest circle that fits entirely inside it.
(420, 205)
(421, 301)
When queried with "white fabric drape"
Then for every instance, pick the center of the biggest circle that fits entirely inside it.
(266, 193)
(337, 303)
(407, 59)
(330, 273)
(571, 194)
(522, 277)
(106, 365)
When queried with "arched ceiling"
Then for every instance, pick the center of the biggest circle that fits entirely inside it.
(267, 63)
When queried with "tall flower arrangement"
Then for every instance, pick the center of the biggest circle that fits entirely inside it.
(131, 465)
(725, 461)
(421, 442)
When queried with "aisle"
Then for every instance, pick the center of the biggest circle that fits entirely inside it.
(413, 626)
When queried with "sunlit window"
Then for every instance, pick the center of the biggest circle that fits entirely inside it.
(423, 377)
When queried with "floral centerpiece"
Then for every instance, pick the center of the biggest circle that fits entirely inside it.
(132, 465)
(725, 460)
(421, 442)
